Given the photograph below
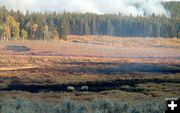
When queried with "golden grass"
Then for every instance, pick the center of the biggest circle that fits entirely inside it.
(127, 41)
(97, 46)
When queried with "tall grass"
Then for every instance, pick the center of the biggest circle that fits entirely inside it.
(69, 106)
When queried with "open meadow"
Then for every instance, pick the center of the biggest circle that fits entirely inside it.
(113, 68)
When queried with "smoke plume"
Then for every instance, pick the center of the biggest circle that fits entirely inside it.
(125, 7)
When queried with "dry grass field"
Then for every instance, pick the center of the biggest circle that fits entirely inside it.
(112, 67)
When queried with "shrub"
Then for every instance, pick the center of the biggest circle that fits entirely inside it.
(69, 106)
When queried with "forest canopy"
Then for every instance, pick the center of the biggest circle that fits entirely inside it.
(53, 25)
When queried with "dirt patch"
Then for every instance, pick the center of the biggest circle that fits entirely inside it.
(17, 68)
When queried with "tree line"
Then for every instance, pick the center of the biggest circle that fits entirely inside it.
(52, 25)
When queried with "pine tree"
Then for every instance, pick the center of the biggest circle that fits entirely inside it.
(1, 31)
(46, 33)
(64, 28)
(33, 30)
(24, 34)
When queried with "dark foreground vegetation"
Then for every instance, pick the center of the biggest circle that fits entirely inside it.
(14, 24)
(69, 106)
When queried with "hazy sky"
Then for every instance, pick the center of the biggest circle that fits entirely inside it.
(125, 7)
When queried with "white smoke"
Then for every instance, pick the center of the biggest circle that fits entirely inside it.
(125, 7)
